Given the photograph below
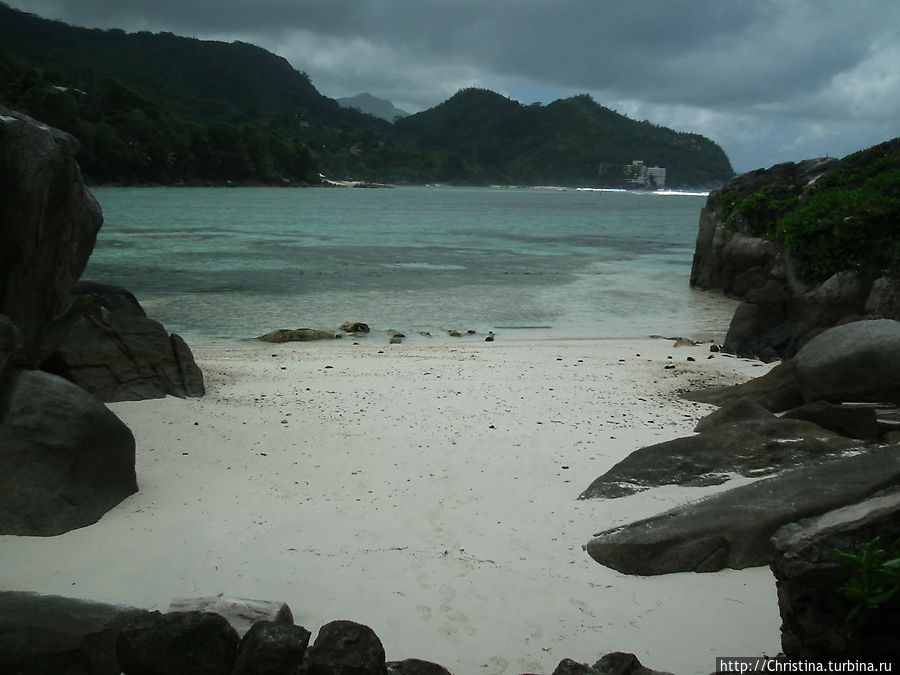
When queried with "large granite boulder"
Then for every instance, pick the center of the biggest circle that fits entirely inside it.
(52, 634)
(270, 648)
(751, 447)
(345, 648)
(814, 613)
(733, 528)
(859, 361)
(188, 643)
(66, 458)
(110, 348)
(49, 225)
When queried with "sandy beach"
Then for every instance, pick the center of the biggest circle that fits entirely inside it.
(426, 490)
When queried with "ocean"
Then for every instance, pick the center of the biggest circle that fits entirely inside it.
(221, 266)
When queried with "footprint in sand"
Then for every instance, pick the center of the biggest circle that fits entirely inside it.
(424, 612)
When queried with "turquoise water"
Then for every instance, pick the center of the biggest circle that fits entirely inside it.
(222, 265)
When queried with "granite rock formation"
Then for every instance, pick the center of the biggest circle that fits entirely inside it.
(733, 529)
(49, 225)
(112, 349)
(779, 313)
(813, 611)
(44, 634)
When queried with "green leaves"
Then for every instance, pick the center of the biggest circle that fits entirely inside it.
(874, 576)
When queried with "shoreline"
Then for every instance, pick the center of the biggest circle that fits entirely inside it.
(426, 490)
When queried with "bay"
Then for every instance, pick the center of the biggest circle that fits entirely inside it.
(223, 265)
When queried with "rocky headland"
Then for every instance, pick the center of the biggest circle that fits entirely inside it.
(805, 247)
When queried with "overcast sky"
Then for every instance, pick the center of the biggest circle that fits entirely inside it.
(769, 80)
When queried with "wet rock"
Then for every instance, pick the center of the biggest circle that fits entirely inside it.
(733, 528)
(753, 447)
(296, 335)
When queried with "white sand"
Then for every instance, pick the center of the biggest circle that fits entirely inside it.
(429, 492)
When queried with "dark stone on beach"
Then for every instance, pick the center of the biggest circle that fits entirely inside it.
(50, 226)
(345, 648)
(752, 447)
(415, 667)
(67, 459)
(297, 335)
(733, 528)
(270, 648)
(850, 421)
(188, 643)
(113, 350)
(570, 667)
(813, 613)
(738, 411)
(623, 663)
(241, 613)
(52, 634)
(356, 327)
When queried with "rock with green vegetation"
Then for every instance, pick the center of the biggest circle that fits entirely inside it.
(806, 246)
(841, 605)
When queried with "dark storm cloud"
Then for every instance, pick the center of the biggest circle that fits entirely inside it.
(769, 79)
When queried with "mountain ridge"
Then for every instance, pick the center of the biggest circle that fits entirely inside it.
(159, 108)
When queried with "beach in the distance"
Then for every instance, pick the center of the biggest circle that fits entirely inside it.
(428, 491)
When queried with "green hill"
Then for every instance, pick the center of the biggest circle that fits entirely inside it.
(159, 108)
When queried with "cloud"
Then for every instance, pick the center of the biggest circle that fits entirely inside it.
(764, 78)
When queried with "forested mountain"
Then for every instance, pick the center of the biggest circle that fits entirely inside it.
(372, 105)
(158, 108)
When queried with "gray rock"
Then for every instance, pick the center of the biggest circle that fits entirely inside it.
(270, 648)
(623, 663)
(812, 612)
(852, 422)
(113, 350)
(884, 298)
(777, 390)
(859, 361)
(10, 343)
(52, 634)
(733, 528)
(415, 667)
(738, 411)
(345, 648)
(50, 225)
(67, 459)
(188, 643)
(296, 335)
(753, 447)
(241, 613)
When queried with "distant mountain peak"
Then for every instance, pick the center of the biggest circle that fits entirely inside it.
(372, 105)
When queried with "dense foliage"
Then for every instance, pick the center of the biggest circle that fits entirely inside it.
(850, 220)
(159, 108)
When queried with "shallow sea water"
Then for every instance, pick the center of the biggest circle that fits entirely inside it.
(223, 265)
